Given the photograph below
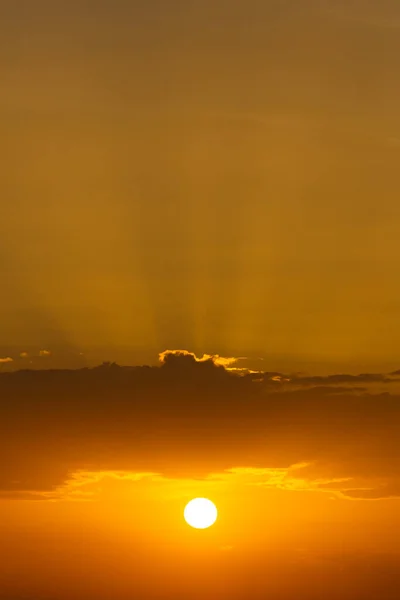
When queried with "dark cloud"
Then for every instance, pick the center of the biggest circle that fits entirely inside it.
(340, 389)
(191, 417)
(339, 379)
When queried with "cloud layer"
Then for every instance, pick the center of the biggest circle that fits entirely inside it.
(198, 417)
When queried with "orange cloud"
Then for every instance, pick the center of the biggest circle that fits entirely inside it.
(78, 486)
(279, 378)
(7, 359)
(84, 485)
(282, 478)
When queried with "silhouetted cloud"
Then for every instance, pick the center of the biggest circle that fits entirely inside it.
(342, 378)
(169, 357)
(192, 417)
(288, 380)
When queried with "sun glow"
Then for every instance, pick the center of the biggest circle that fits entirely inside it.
(200, 513)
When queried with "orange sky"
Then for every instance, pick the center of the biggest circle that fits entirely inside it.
(219, 177)
(99, 464)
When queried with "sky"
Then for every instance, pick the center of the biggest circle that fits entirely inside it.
(218, 176)
(205, 193)
(100, 463)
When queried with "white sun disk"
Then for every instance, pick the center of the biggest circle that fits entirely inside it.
(200, 513)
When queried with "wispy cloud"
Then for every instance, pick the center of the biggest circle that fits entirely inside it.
(85, 486)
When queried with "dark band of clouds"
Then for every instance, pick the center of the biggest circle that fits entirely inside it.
(157, 419)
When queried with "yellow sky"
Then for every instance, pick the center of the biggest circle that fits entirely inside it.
(213, 176)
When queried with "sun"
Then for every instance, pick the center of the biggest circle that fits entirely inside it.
(200, 513)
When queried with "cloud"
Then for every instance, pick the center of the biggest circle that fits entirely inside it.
(337, 389)
(6, 360)
(280, 378)
(195, 418)
(388, 492)
(330, 384)
(169, 357)
(285, 478)
(78, 486)
(83, 485)
(86, 486)
(342, 378)
(44, 353)
(23, 355)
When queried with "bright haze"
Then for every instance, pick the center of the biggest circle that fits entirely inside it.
(199, 297)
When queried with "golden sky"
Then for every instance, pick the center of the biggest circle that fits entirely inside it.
(220, 176)
(209, 188)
